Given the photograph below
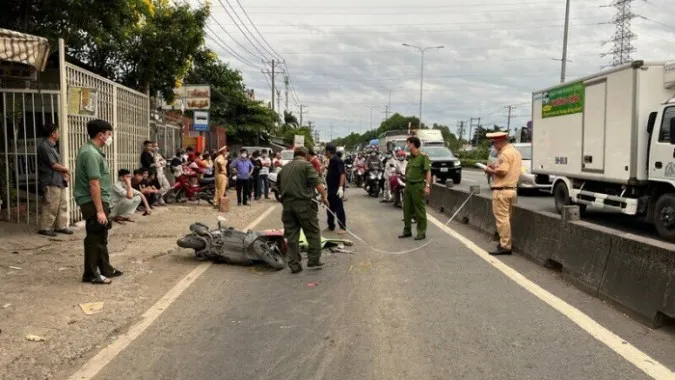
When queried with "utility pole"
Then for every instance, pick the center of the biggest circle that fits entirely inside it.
(508, 123)
(563, 64)
(331, 131)
(273, 75)
(301, 112)
(286, 90)
(279, 100)
(386, 112)
(422, 50)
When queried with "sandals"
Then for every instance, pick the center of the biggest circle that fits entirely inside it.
(98, 280)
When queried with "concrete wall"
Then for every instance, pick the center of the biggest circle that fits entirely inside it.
(637, 275)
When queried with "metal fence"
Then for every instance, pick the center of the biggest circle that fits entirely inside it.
(168, 138)
(127, 110)
(23, 115)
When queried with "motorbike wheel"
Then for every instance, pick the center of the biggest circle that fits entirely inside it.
(191, 241)
(274, 258)
(172, 196)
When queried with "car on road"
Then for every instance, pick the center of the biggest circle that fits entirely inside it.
(527, 180)
(444, 164)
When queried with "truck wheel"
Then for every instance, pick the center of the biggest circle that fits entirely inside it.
(457, 179)
(664, 216)
(561, 195)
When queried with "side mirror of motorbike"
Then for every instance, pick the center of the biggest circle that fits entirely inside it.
(199, 229)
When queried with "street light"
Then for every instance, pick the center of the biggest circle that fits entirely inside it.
(371, 115)
(422, 50)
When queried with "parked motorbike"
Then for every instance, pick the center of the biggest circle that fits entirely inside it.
(183, 189)
(274, 186)
(232, 246)
(375, 182)
(397, 186)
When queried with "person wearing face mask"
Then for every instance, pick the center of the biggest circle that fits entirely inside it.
(264, 173)
(160, 176)
(91, 190)
(244, 169)
(389, 170)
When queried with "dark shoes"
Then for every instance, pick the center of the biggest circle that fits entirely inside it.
(405, 235)
(295, 268)
(500, 251)
(64, 231)
(314, 264)
(49, 233)
(420, 237)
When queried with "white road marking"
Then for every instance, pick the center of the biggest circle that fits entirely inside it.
(107, 354)
(629, 352)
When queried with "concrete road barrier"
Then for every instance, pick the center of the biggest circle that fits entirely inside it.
(635, 274)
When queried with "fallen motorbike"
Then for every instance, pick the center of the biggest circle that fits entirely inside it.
(397, 186)
(231, 246)
(183, 189)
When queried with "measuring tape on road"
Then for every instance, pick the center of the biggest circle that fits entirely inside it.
(396, 252)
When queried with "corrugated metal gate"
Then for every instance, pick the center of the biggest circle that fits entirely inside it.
(23, 114)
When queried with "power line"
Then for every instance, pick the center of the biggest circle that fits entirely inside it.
(462, 30)
(229, 50)
(247, 29)
(518, 3)
(240, 30)
(260, 34)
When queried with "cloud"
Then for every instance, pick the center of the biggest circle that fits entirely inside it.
(343, 57)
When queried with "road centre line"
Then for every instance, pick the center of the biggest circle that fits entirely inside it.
(629, 352)
(108, 353)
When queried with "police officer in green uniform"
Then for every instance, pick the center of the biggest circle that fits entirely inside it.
(417, 188)
(297, 181)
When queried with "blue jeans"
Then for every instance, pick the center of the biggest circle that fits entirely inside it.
(264, 186)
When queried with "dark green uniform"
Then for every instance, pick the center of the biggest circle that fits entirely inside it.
(92, 164)
(297, 181)
(413, 195)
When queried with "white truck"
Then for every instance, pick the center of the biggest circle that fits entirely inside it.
(609, 140)
(429, 136)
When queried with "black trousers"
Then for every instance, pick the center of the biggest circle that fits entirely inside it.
(96, 256)
(243, 190)
(336, 205)
(257, 191)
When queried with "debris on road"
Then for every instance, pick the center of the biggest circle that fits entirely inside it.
(91, 307)
(34, 338)
(13, 267)
(313, 284)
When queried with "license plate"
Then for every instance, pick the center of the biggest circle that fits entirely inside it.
(443, 170)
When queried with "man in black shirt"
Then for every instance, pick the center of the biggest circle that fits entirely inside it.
(147, 159)
(335, 183)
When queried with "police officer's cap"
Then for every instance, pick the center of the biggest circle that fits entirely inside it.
(497, 135)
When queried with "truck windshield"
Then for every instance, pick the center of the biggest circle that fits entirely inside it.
(525, 152)
(437, 151)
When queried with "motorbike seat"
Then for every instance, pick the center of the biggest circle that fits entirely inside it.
(207, 181)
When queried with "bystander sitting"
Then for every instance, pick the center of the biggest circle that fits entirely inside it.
(125, 199)
(140, 183)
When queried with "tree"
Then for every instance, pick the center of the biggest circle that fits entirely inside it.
(479, 134)
(248, 121)
(145, 44)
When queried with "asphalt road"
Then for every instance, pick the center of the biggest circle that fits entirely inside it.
(437, 313)
(542, 201)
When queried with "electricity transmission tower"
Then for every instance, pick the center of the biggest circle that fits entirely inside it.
(622, 45)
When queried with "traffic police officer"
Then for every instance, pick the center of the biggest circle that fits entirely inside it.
(297, 181)
(505, 172)
(418, 186)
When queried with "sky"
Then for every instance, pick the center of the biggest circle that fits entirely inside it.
(344, 58)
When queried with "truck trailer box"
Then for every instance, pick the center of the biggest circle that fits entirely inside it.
(595, 128)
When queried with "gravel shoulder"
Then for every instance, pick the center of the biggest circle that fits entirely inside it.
(43, 295)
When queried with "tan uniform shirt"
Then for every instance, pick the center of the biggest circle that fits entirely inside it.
(220, 166)
(508, 167)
